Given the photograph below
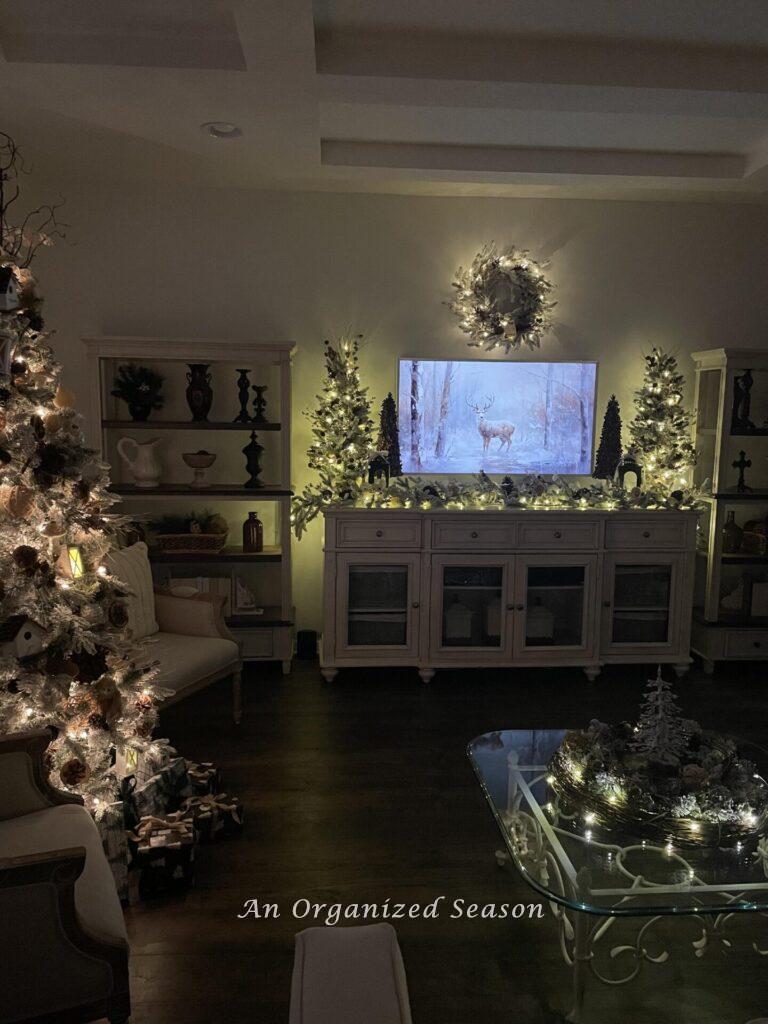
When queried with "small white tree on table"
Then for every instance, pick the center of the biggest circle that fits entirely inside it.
(660, 734)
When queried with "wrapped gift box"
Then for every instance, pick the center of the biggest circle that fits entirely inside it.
(162, 854)
(204, 777)
(214, 815)
(112, 829)
(164, 791)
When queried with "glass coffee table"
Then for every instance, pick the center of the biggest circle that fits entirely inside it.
(592, 876)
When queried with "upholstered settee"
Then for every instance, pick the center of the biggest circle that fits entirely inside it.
(188, 636)
(63, 942)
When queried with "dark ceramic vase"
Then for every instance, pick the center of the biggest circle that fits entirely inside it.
(199, 390)
(139, 411)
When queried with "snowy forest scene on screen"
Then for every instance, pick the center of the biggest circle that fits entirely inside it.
(463, 416)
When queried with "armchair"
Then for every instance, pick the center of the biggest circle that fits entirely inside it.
(62, 934)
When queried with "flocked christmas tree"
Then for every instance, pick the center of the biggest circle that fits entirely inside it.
(65, 658)
(660, 734)
(342, 429)
(609, 449)
(389, 437)
(661, 429)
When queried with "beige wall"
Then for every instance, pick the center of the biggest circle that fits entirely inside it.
(302, 267)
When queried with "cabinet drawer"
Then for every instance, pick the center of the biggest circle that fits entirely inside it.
(751, 643)
(650, 534)
(255, 643)
(554, 535)
(378, 532)
(473, 535)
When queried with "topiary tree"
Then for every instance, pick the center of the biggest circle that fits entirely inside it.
(389, 436)
(609, 448)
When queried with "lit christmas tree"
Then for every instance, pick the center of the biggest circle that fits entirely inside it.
(389, 437)
(661, 429)
(660, 734)
(343, 436)
(609, 449)
(65, 658)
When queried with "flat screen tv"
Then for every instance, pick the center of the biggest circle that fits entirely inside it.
(467, 415)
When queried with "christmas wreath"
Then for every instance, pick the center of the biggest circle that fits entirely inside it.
(502, 300)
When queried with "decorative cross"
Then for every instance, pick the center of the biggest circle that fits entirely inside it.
(741, 464)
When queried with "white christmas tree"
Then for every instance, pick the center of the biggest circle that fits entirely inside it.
(66, 660)
(661, 429)
(342, 429)
(660, 733)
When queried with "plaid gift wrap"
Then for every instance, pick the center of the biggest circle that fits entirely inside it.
(164, 792)
(204, 777)
(214, 815)
(111, 825)
(163, 853)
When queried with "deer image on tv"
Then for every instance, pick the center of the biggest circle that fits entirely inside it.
(498, 416)
(488, 429)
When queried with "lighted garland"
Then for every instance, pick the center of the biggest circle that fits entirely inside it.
(491, 322)
(531, 492)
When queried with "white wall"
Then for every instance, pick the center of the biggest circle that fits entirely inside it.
(303, 267)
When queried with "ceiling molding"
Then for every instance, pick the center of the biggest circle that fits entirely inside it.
(523, 160)
(559, 60)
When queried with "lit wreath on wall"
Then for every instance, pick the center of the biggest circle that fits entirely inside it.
(502, 300)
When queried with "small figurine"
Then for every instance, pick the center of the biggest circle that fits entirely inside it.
(259, 404)
(741, 464)
(378, 468)
(740, 421)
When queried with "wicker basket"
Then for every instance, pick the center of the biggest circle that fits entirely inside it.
(190, 543)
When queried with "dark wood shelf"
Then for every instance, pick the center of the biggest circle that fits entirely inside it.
(185, 425)
(214, 491)
(272, 617)
(743, 495)
(269, 554)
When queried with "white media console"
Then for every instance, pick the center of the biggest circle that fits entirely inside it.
(469, 589)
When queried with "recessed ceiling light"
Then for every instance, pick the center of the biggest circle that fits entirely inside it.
(221, 130)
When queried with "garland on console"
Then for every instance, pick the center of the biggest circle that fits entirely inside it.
(502, 300)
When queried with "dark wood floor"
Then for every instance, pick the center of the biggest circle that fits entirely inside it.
(361, 791)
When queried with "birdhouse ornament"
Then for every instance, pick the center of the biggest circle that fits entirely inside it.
(9, 292)
(20, 637)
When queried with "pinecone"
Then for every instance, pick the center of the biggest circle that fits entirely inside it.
(25, 558)
(73, 772)
(118, 615)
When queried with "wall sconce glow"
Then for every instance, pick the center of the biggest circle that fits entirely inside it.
(75, 560)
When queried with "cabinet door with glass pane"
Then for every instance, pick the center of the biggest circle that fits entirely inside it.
(377, 605)
(554, 607)
(470, 607)
(641, 606)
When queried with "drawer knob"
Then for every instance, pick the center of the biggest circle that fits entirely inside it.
(558, 535)
(757, 644)
(473, 535)
(379, 533)
(646, 534)
(606, 604)
(414, 604)
(520, 607)
(510, 607)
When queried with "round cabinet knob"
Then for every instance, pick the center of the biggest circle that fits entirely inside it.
(414, 604)
(473, 535)
(757, 644)
(510, 607)
(606, 604)
(379, 533)
(520, 607)
(646, 534)
(558, 535)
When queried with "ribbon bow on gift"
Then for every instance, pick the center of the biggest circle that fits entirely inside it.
(213, 803)
(177, 825)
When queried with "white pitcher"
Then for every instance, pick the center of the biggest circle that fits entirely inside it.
(141, 459)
